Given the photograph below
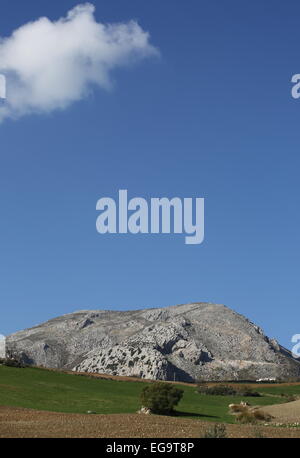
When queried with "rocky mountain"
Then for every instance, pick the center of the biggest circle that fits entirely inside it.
(184, 342)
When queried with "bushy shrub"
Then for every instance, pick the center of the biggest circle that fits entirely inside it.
(219, 390)
(235, 408)
(253, 417)
(246, 417)
(161, 397)
(217, 431)
(289, 397)
(258, 433)
(247, 391)
(261, 416)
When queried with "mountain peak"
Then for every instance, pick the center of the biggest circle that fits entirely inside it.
(186, 342)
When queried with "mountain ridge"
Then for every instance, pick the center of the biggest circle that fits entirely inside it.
(187, 342)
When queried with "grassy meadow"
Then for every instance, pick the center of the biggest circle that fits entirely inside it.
(43, 389)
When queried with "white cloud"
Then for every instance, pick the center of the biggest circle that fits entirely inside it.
(48, 65)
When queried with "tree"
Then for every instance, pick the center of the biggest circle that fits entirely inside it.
(161, 397)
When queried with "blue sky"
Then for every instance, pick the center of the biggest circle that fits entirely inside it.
(211, 117)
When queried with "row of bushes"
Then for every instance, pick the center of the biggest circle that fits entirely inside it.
(12, 362)
(226, 390)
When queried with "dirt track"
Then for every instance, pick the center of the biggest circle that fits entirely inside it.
(16, 422)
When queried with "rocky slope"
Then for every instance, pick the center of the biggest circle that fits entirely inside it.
(183, 342)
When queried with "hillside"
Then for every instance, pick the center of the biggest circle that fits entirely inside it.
(49, 403)
(183, 343)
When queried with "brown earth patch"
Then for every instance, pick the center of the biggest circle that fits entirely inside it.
(17, 423)
(284, 413)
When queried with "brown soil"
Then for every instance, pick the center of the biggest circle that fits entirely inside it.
(285, 413)
(17, 422)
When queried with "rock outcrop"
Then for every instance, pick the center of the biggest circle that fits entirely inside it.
(184, 342)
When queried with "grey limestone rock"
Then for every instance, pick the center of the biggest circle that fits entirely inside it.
(185, 343)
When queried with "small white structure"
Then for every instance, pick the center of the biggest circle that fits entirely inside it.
(266, 379)
(2, 346)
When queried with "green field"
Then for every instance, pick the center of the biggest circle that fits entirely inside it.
(56, 391)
